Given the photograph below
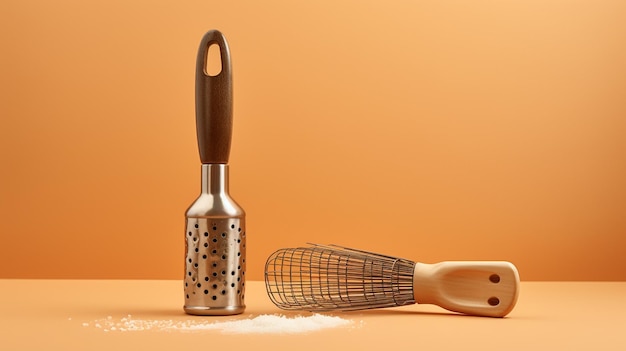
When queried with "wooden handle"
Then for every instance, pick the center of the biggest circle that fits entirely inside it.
(214, 102)
(481, 288)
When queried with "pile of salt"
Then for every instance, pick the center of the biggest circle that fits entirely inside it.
(263, 324)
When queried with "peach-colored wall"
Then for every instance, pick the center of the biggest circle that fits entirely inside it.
(431, 130)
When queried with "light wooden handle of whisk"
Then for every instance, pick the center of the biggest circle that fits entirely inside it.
(480, 288)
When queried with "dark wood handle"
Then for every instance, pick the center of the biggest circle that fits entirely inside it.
(214, 102)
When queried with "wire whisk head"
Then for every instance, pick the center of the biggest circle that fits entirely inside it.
(322, 278)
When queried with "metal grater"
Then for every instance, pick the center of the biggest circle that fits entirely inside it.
(215, 234)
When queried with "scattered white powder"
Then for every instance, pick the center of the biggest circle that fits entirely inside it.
(271, 324)
(263, 324)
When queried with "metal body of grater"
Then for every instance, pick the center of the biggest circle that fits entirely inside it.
(215, 233)
(215, 244)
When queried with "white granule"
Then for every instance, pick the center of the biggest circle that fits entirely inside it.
(263, 324)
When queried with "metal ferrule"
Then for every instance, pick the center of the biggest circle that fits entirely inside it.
(214, 199)
(215, 246)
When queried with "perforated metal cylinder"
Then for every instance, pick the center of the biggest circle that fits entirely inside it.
(215, 246)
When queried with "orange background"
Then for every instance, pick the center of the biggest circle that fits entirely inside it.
(431, 130)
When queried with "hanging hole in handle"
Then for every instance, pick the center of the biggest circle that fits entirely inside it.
(213, 64)
(493, 301)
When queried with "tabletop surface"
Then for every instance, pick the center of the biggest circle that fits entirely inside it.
(63, 314)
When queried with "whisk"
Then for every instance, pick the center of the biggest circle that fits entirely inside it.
(327, 278)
